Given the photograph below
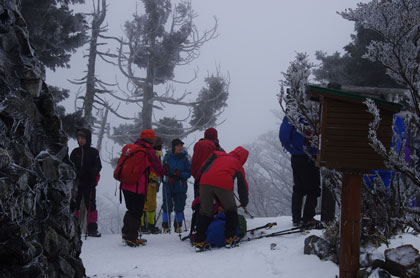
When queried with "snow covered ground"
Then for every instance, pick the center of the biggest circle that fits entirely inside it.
(167, 256)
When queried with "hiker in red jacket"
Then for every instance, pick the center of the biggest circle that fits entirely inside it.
(217, 181)
(202, 151)
(134, 194)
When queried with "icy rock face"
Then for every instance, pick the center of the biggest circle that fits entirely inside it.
(38, 235)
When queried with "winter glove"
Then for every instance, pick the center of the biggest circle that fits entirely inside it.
(171, 180)
(177, 173)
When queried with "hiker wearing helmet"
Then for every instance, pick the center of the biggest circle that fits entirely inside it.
(202, 151)
(88, 165)
(134, 193)
(217, 181)
(178, 170)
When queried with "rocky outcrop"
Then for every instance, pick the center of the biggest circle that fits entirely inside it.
(315, 245)
(38, 235)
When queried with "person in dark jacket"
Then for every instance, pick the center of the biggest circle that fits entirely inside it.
(134, 194)
(217, 181)
(174, 192)
(202, 151)
(88, 165)
(306, 176)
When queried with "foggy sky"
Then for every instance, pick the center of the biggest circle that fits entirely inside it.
(256, 42)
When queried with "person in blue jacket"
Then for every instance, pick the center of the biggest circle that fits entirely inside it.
(306, 176)
(399, 144)
(174, 192)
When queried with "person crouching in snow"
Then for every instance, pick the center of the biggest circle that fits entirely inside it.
(178, 170)
(134, 194)
(217, 180)
(88, 165)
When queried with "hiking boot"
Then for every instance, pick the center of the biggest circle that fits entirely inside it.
(178, 230)
(154, 230)
(313, 224)
(201, 246)
(297, 224)
(166, 230)
(94, 234)
(141, 241)
(232, 242)
(144, 230)
(131, 243)
(136, 243)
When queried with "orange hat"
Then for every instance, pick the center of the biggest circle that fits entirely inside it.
(147, 134)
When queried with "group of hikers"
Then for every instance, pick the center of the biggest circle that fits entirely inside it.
(141, 170)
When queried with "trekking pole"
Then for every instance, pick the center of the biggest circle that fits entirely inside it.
(87, 212)
(158, 216)
(185, 223)
(266, 226)
(167, 209)
(274, 234)
(244, 208)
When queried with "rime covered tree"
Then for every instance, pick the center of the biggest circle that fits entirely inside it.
(397, 21)
(352, 68)
(269, 177)
(155, 44)
(55, 31)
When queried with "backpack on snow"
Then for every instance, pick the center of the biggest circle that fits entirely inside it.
(130, 165)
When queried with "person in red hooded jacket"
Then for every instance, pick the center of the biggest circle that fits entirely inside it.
(134, 194)
(202, 151)
(217, 181)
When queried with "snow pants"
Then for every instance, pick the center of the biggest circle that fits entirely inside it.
(174, 198)
(88, 194)
(149, 211)
(132, 218)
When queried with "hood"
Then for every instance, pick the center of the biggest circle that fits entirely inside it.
(85, 133)
(241, 154)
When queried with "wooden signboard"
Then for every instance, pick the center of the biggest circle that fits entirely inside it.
(344, 145)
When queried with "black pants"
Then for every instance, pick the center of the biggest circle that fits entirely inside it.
(132, 218)
(88, 194)
(306, 180)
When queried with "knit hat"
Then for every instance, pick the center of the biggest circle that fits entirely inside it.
(158, 141)
(147, 134)
(176, 142)
(210, 133)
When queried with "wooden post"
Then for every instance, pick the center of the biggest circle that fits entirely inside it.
(351, 197)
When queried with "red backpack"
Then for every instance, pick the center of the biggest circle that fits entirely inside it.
(131, 165)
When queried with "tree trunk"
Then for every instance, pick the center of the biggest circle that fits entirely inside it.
(97, 21)
(102, 129)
